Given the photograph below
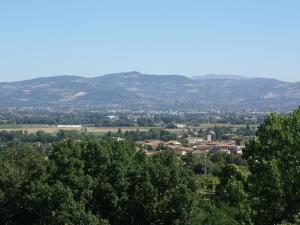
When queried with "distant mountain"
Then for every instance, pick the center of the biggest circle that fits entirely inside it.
(220, 76)
(134, 90)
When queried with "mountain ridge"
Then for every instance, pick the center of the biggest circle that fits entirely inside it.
(135, 90)
(124, 74)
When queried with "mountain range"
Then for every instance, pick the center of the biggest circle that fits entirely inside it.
(134, 90)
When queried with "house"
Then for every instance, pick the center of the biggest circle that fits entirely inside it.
(181, 125)
(232, 148)
(174, 143)
(151, 145)
(194, 140)
(239, 150)
(214, 148)
(180, 150)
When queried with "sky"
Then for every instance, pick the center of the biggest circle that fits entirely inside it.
(92, 38)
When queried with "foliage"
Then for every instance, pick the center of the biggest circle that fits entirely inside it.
(94, 182)
(273, 159)
(153, 133)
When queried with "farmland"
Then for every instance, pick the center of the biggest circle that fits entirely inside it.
(32, 128)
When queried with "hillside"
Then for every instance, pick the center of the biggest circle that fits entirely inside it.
(133, 90)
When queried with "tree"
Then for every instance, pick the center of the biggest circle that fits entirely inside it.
(273, 159)
(88, 181)
(29, 194)
(230, 189)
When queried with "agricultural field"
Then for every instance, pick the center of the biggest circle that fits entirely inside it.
(211, 125)
(32, 128)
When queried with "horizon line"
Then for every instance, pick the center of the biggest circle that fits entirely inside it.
(224, 75)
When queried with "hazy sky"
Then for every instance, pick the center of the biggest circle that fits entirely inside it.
(90, 38)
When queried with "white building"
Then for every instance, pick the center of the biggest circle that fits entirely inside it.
(69, 126)
(209, 137)
(181, 125)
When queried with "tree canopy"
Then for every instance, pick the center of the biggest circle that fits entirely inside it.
(93, 182)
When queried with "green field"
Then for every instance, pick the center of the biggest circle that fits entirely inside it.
(211, 125)
(32, 128)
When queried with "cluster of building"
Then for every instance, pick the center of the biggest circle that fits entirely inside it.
(194, 145)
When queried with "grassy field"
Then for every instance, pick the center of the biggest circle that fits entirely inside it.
(32, 128)
(22, 126)
(211, 125)
(52, 129)
(102, 130)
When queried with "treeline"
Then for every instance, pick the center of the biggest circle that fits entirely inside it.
(219, 133)
(152, 133)
(95, 119)
(46, 138)
(7, 137)
(103, 119)
(92, 181)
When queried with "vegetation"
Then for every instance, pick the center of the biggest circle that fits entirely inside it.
(84, 179)
(92, 182)
(152, 133)
(273, 160)
(122, 119)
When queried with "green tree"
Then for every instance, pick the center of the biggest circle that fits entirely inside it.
(230, 189)
(273, 159)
